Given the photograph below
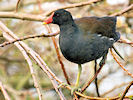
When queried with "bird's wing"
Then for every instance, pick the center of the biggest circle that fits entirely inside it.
(105, 26)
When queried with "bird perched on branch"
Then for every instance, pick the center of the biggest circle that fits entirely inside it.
(84, 39)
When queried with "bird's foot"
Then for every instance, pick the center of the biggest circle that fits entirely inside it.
(75, 88)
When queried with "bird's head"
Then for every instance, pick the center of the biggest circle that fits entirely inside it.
(59, 17)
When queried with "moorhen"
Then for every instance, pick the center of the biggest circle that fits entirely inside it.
(84, 39)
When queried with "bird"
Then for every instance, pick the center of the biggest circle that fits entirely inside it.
(84, 39)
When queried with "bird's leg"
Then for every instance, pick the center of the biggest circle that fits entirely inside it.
(78, 76)
(102, 62)
(76, 87)
(97, 90)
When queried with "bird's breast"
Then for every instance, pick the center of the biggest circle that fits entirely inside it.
(79, 49)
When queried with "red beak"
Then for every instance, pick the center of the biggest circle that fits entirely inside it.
(49, 20)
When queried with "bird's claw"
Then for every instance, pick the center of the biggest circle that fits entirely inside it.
(73, 88)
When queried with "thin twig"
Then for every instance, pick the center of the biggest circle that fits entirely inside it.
(58, 55)
(17, 5)
(126, 41)
(60, 61)
(115, 87)
(114, 56)
(126, 90)
(75, 96)
(89, 82)
(45, 68)
(4, 92)
(100, 98)
(101, 64)
(22, 16)
(123, 11)
(72, 6)
(39, 6)
(12, 6)
(41, 17)
(28, 37)
(36, 84)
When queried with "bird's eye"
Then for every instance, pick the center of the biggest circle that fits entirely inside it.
(57, 15)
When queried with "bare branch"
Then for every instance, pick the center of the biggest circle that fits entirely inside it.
(17, 5)
(73, 6)
(28, 37)
(114, 56)
(129, 8)
(4, 92)
(100, 98)
(126, 41)
(58, 55)
(41, 17)
(126, 90)
(12, 6)
(115, 87)
(89, 82)
(22, 16)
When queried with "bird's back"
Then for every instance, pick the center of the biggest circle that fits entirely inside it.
(106, 26)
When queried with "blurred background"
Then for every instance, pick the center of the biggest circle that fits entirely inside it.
(14, 70)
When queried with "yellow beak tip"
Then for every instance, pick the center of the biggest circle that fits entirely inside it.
(44, 23)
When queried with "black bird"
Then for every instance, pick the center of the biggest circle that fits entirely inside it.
(84, 39)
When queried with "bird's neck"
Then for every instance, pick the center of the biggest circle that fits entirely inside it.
(68, 28)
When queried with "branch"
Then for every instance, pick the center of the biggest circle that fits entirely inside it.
(41, 17)
(4, 92)
(58, 55)
(8, 59)
(28, 37)
(126, 41)
(114, 56)
(126, 90)
(31, 17)
(12, 6)
(114, 88)
(89, 82)
(123, 11)
(22, 16)
(72, 6)
(100, 98)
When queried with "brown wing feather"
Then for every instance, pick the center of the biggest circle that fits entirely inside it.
(100, 25)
